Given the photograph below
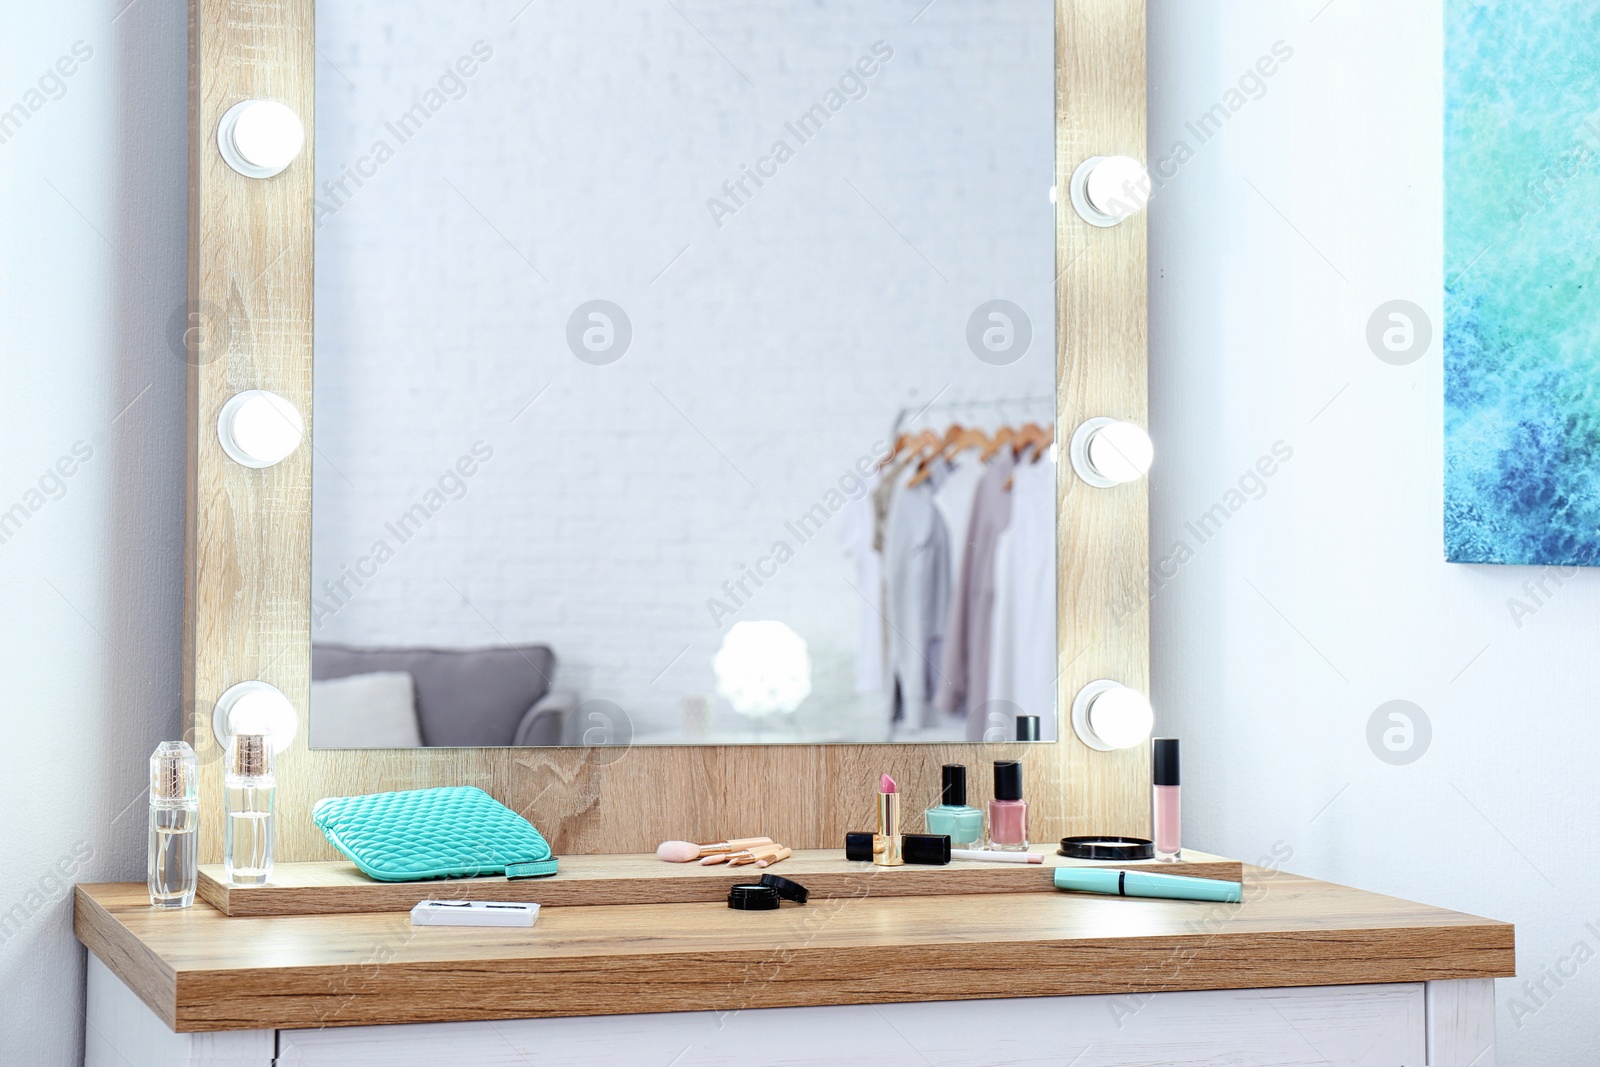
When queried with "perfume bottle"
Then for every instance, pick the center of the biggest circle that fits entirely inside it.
(247, 835)
(1008, 812)
(1165, 813)
(174, 825)
(953, 818)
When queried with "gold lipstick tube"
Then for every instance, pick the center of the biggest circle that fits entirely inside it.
(888, 848)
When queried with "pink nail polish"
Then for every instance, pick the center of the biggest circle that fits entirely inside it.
(1008, 812)
(1165, 812)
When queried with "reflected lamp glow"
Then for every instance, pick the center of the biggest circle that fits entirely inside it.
(763, 669)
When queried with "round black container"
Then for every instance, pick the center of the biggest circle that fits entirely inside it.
(753, 898)
(1107, 848)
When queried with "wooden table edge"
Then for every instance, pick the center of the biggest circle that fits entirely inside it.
(139, 967)
(378, 992)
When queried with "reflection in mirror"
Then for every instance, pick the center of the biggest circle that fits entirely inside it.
(685, 373)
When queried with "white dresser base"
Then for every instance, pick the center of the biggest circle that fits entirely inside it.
(1433, 1024)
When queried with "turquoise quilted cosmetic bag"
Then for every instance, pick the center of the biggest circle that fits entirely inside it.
(454, 832)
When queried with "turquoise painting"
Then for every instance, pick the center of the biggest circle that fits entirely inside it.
(1522, 310)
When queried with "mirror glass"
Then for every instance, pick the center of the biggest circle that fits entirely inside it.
(685, 372)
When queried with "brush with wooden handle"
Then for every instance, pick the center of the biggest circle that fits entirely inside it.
(684, 851)
(753, 854)
(783, 853)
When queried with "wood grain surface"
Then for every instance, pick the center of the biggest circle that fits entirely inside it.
(639, 878)
(248, 534)
(213, 972)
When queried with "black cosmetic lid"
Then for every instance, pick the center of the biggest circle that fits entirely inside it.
(1027, 727)
(786, 889)
(1166, 760)
(954, 791)
(932, 850)
(753, 898)
(1007, 779)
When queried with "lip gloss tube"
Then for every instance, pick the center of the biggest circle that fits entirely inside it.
(1166, 813)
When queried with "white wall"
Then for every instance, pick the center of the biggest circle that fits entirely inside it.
(91, 268)
(1327, 597)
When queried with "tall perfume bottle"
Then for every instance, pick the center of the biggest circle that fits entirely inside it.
(174, 825)
(247, 835)
(1008, 812)
(962, 824)
(1166, 815)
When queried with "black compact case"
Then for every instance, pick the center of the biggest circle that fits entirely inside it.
(1107, 847)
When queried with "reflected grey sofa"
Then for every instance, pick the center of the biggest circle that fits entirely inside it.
(468, 698)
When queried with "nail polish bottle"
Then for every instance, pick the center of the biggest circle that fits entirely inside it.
(1165, 813)
(1008, 812)
(954, 818)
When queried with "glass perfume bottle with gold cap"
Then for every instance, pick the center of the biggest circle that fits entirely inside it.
(174, 825)
(250, 786)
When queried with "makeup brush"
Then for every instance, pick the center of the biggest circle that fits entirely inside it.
(753, 854)
(777, 857)
(744, 855)
(684, 851)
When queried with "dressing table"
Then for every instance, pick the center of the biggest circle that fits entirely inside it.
(1301, 972)
(631, 960)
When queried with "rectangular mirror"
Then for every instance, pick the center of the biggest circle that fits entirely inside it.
(685, 373)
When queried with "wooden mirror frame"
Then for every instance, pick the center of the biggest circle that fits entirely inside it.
(247, 551)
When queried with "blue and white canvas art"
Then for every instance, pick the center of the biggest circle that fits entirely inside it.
(1521, 300)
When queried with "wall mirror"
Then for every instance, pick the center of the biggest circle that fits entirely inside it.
(535, 327)
(668, 360)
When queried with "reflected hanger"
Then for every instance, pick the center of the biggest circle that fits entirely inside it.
(1002, 437)
(941, 451)
(901, 443)
(1045, 443)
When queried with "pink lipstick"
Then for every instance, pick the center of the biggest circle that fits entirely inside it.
(888, 847)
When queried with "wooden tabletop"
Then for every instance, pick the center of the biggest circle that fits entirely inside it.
(201, 970)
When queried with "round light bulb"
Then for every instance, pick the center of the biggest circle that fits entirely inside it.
(1118, 186)
(1107, 715)
(1121, 452)
(260, 138)
(1121, 717)
(255, 707)
(1108, 189)
(258, 428)
(1107, 452)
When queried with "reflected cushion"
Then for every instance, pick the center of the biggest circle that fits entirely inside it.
(374, 710)
(468, 697)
